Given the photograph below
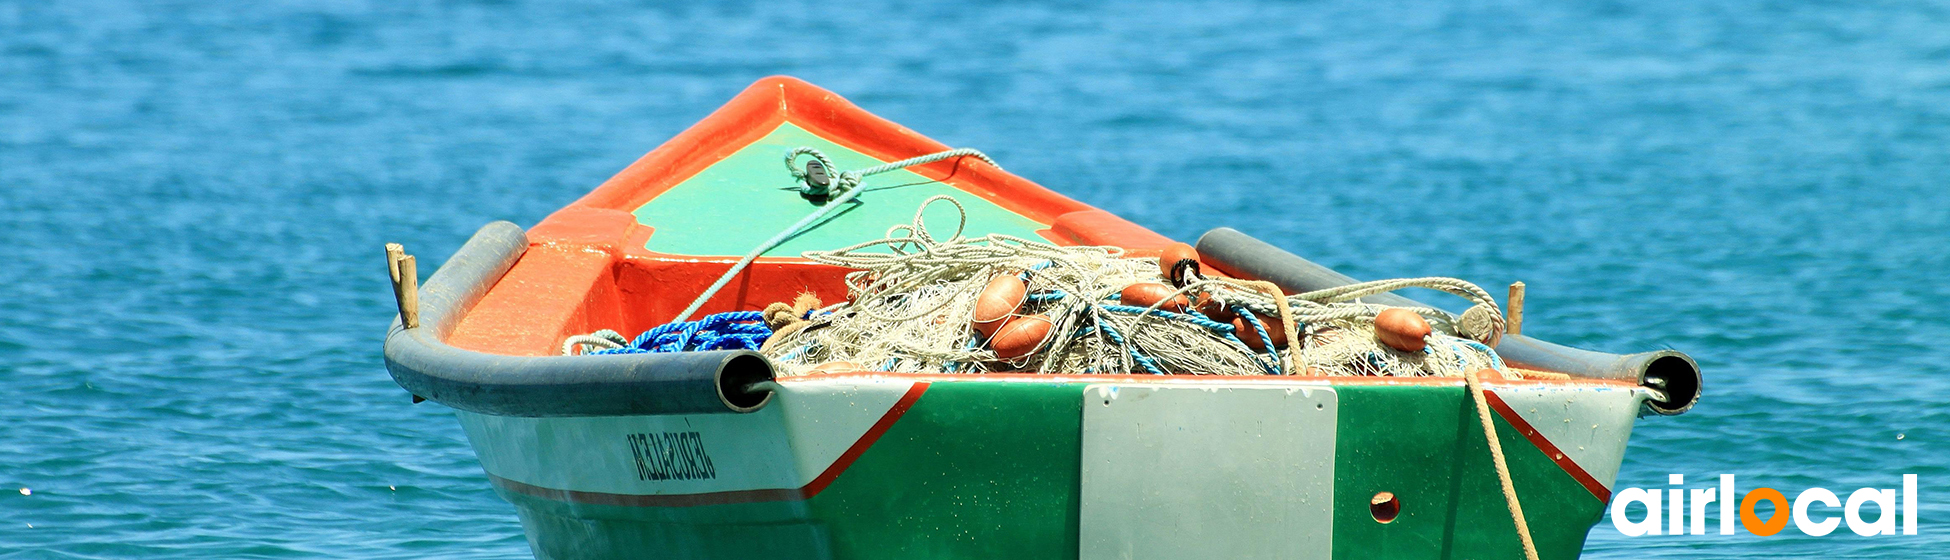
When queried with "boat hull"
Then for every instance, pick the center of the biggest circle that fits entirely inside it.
(704, 455)
(1120, 467)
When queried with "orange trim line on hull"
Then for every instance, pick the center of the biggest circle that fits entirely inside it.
(818, 484)
(1563, 461)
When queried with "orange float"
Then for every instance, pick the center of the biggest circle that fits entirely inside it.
(1402, 329)
(1020, 336)
(1210, 307)
(1175, 257)
(998, 302)
(1275, 330)
(1147, 294)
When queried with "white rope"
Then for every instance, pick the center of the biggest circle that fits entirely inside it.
(1502, 468)
(600, 340)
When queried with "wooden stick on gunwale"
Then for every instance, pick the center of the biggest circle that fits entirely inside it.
(409, 292)
(406, 284)
(393, 253)
(1515, 319)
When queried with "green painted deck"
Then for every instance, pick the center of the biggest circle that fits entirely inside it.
(745, 199)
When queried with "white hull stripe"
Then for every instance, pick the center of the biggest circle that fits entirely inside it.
(788, 451)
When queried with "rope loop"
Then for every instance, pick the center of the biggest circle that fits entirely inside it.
(807, 184)
(842, 190)
(736, 330)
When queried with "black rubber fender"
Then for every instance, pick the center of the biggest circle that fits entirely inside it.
(421, 361)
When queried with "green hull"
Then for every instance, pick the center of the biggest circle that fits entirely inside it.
(996, 469)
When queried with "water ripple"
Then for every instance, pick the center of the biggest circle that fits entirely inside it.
(192, 198)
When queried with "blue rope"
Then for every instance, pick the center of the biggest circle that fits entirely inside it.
(1221, 328)
(1046, 297)
(1145, 361)
(952, 366)
(1234, 337)
(1259, 329)
(736, 330)
(1229, 334)
(1200, 320)
(1495, 360)
(1375, 361)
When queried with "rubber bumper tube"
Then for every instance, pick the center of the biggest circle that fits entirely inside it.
(1670, 373)
(421, 361)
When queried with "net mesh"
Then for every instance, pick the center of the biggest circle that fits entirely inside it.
(912, 299)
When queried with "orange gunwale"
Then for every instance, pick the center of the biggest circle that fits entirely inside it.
(586, 267)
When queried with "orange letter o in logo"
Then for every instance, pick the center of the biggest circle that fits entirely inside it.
(1752, 522)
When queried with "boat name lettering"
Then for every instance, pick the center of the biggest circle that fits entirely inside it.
(671, 456)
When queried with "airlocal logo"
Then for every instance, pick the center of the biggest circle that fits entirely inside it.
(1802, 512)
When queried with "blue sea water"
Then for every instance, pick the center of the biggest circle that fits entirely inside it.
(193, 197)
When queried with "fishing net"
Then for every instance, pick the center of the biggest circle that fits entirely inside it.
(912, 300)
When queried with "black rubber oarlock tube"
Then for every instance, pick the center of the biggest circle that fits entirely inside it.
(1672, 373)
(423, 363)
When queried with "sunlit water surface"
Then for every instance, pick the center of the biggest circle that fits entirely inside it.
(193, 196)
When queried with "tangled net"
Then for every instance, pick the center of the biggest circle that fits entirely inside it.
(913, 297)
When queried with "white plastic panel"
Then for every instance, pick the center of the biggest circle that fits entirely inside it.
(1236, 472)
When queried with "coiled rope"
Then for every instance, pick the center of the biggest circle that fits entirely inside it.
(736, 330)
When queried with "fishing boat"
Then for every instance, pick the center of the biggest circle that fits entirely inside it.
(723, 454)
